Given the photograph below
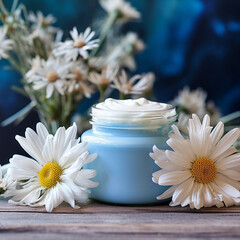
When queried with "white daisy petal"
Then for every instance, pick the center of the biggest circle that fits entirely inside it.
(226, 142)
(174, 177)
(182, 190)
(168, 193)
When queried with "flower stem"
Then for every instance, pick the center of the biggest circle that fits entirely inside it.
(102, 94)
(3, 8)
(110, 21)
(123, 96)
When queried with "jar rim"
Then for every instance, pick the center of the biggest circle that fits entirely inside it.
(133, 119)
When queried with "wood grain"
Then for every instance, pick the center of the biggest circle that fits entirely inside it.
(103, 221)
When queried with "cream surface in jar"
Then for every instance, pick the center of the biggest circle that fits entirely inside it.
(123, 134)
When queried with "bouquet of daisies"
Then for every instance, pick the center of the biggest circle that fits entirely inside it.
(58, 74)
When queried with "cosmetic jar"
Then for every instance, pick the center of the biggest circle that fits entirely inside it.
(123, 134)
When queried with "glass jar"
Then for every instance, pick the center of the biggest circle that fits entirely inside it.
(123, 141)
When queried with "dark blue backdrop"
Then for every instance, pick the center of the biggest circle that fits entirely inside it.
(189, 42)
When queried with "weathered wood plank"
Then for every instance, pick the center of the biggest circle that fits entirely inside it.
(130, 225)
(104, 221)
(96, 207)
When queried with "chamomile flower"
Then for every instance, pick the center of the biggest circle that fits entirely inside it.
(122, 54)
(50, 74)
(6, 185)
(135, 85)
(42, 28)
(39, 21)
(202, 170)
(5, 44)
(3, 182)
(106, 76)
(194, 102)
(54, 172)
(78, 46)
(125, 10)
(79, 71)
(191, 102)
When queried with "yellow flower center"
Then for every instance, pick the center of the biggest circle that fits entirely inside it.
(50, 174)
(204, 170)
(78, 75)
(79, 43)
(52, 76)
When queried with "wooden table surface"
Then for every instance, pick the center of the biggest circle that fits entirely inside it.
(103, 221)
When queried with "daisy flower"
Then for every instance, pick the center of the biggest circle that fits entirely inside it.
(135, 85)
(105, 77)
(42, 28)
(202, 170)
(6, 185)
(126, 11)
(122, 54)
(191, 102)
(54, 173)
(40, 21)
(79, 80)
(5, 44)
(3, 182)
(50, 74)
(96, 63)
(80, 45)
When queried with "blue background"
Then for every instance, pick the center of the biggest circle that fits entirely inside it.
(189, 42)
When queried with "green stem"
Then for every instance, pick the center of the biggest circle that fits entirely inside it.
(123, 96)
(14, 5)
(3, 8)
(110, 21)
(102, 94)
(230, 117)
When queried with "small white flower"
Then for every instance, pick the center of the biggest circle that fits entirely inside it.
(213, 112)
(122, 54)
(42, 28)
(54, 173)
(202, 170)
(5, 44)
(135, 85)
(14, 19)
(50, 74)
(191, 101)
(80, 45)
(96, 63)
(3, 182)
(40, 21)
(79, 83)
(105, 77)
(132, 41)
(126, 11)
(6, 185)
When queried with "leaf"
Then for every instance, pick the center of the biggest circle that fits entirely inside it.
(19, 115)
(230, 117)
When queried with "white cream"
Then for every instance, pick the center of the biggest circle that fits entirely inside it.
(132, 111)
(140, 104)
